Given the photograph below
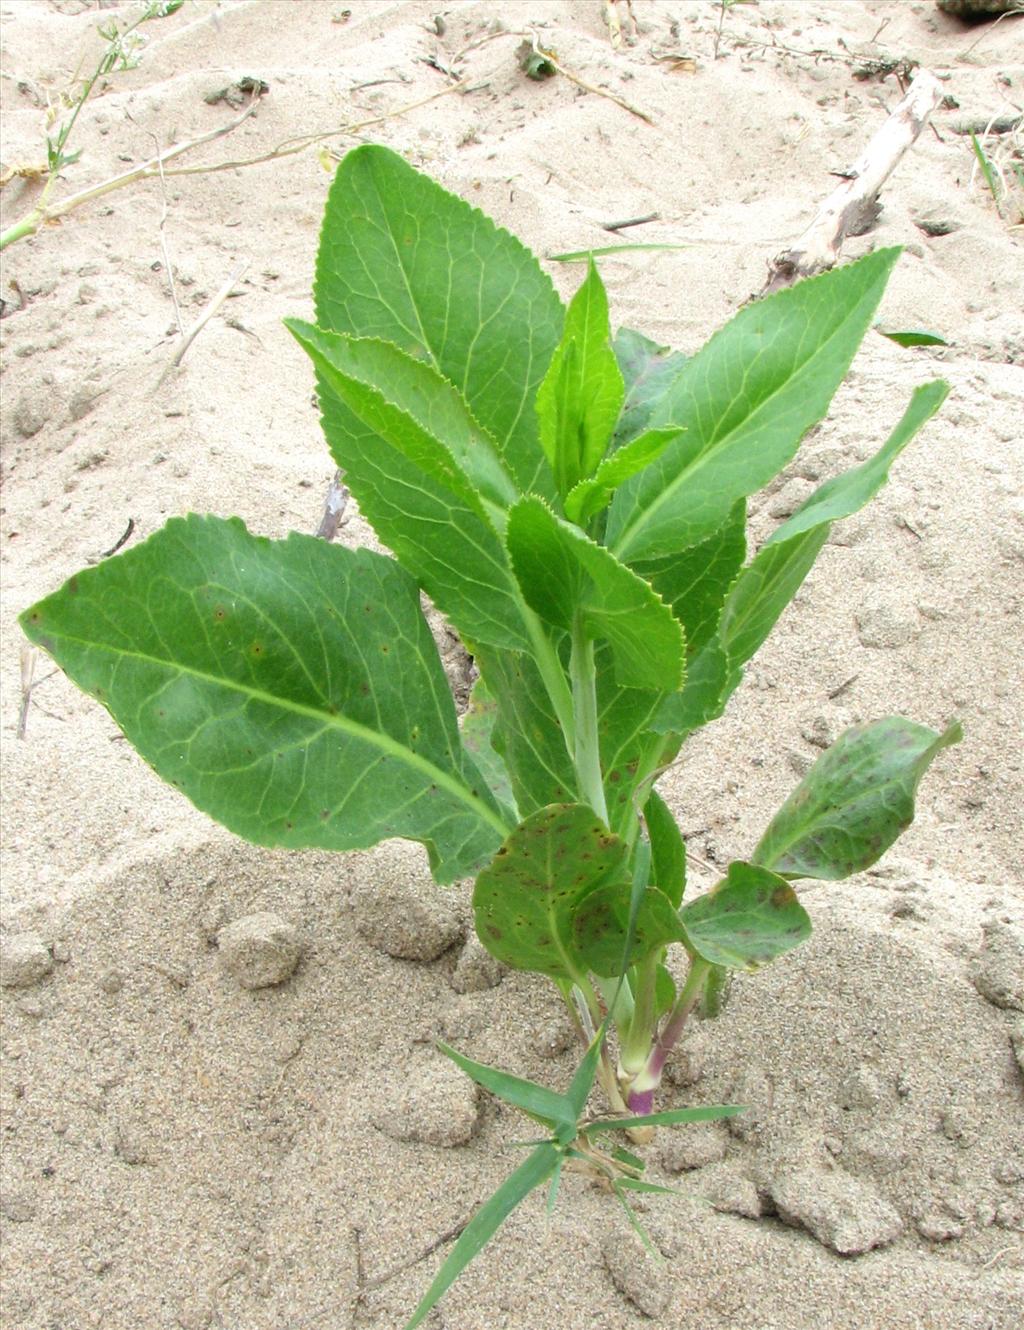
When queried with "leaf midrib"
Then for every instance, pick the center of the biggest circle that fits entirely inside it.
(670, 489)
(387, 745)
(832, 811)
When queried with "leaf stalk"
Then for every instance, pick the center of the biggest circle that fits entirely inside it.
(584, 696)
(643, 1086)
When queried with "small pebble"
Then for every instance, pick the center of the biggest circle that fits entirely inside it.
(959, 1125)
(635, 1273)
(407, 917)
(552, 1037)
(687, 1147)
(259, 950)
(24, 960)
(939, 1226)
(752, 1087)
(476, 969)
(861, 1089)
(31, 412)
(435, 1104)
(886, 626)
(936, 222)
(1017, 1044)
(843, 1213)
(728, 1190)
(999, 973)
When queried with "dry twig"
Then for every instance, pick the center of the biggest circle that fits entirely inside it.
(847, 208)
(200, 323)
(334, 507)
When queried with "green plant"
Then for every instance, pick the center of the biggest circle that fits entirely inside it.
(1004, 176)
(122, 51)
(576, 507)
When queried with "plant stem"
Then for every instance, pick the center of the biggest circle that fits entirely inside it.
(648, 770)
(618, 998)
(636, 1046)
(40, 215)
(584, 697)
(553, 674)
(641, 1091)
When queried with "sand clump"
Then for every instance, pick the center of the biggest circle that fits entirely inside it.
(185, 1147)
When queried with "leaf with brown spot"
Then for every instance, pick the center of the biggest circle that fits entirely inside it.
(854, 802)
(751, 917)
(526, 901)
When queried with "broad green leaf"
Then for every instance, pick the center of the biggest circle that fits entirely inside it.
(673, 1117)
(527, 735)
(525, 901)
(551, 1108)
(629, 750)
(418, 390)
(590, 496)
(765, 587)
(854, 802)
(532, 1173)
(601, 921)
(579, 400)
(647, 371)
(696, 581)
(402, 259)
(477, 726)
(412, 490)
(761, 592)
(751, 917)
(667, 849)
(563, 572)
(849, 492)
(703, 697)
(291, 689)
(746, 400)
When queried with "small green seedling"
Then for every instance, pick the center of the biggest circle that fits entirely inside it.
(576, 506)
(121, 52)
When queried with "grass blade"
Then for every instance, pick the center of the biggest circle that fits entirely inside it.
(581, 255)
(913, 337)
(637, 1184)
(554, 1109)
(556, 1178)
(986, 169)
(638, 1228)
(670, 1116)
(582, 1083)
(533, 1172)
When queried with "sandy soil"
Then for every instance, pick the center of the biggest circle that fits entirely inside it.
(180, 1151)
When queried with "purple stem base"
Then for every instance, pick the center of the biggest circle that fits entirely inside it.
(641, 1102)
